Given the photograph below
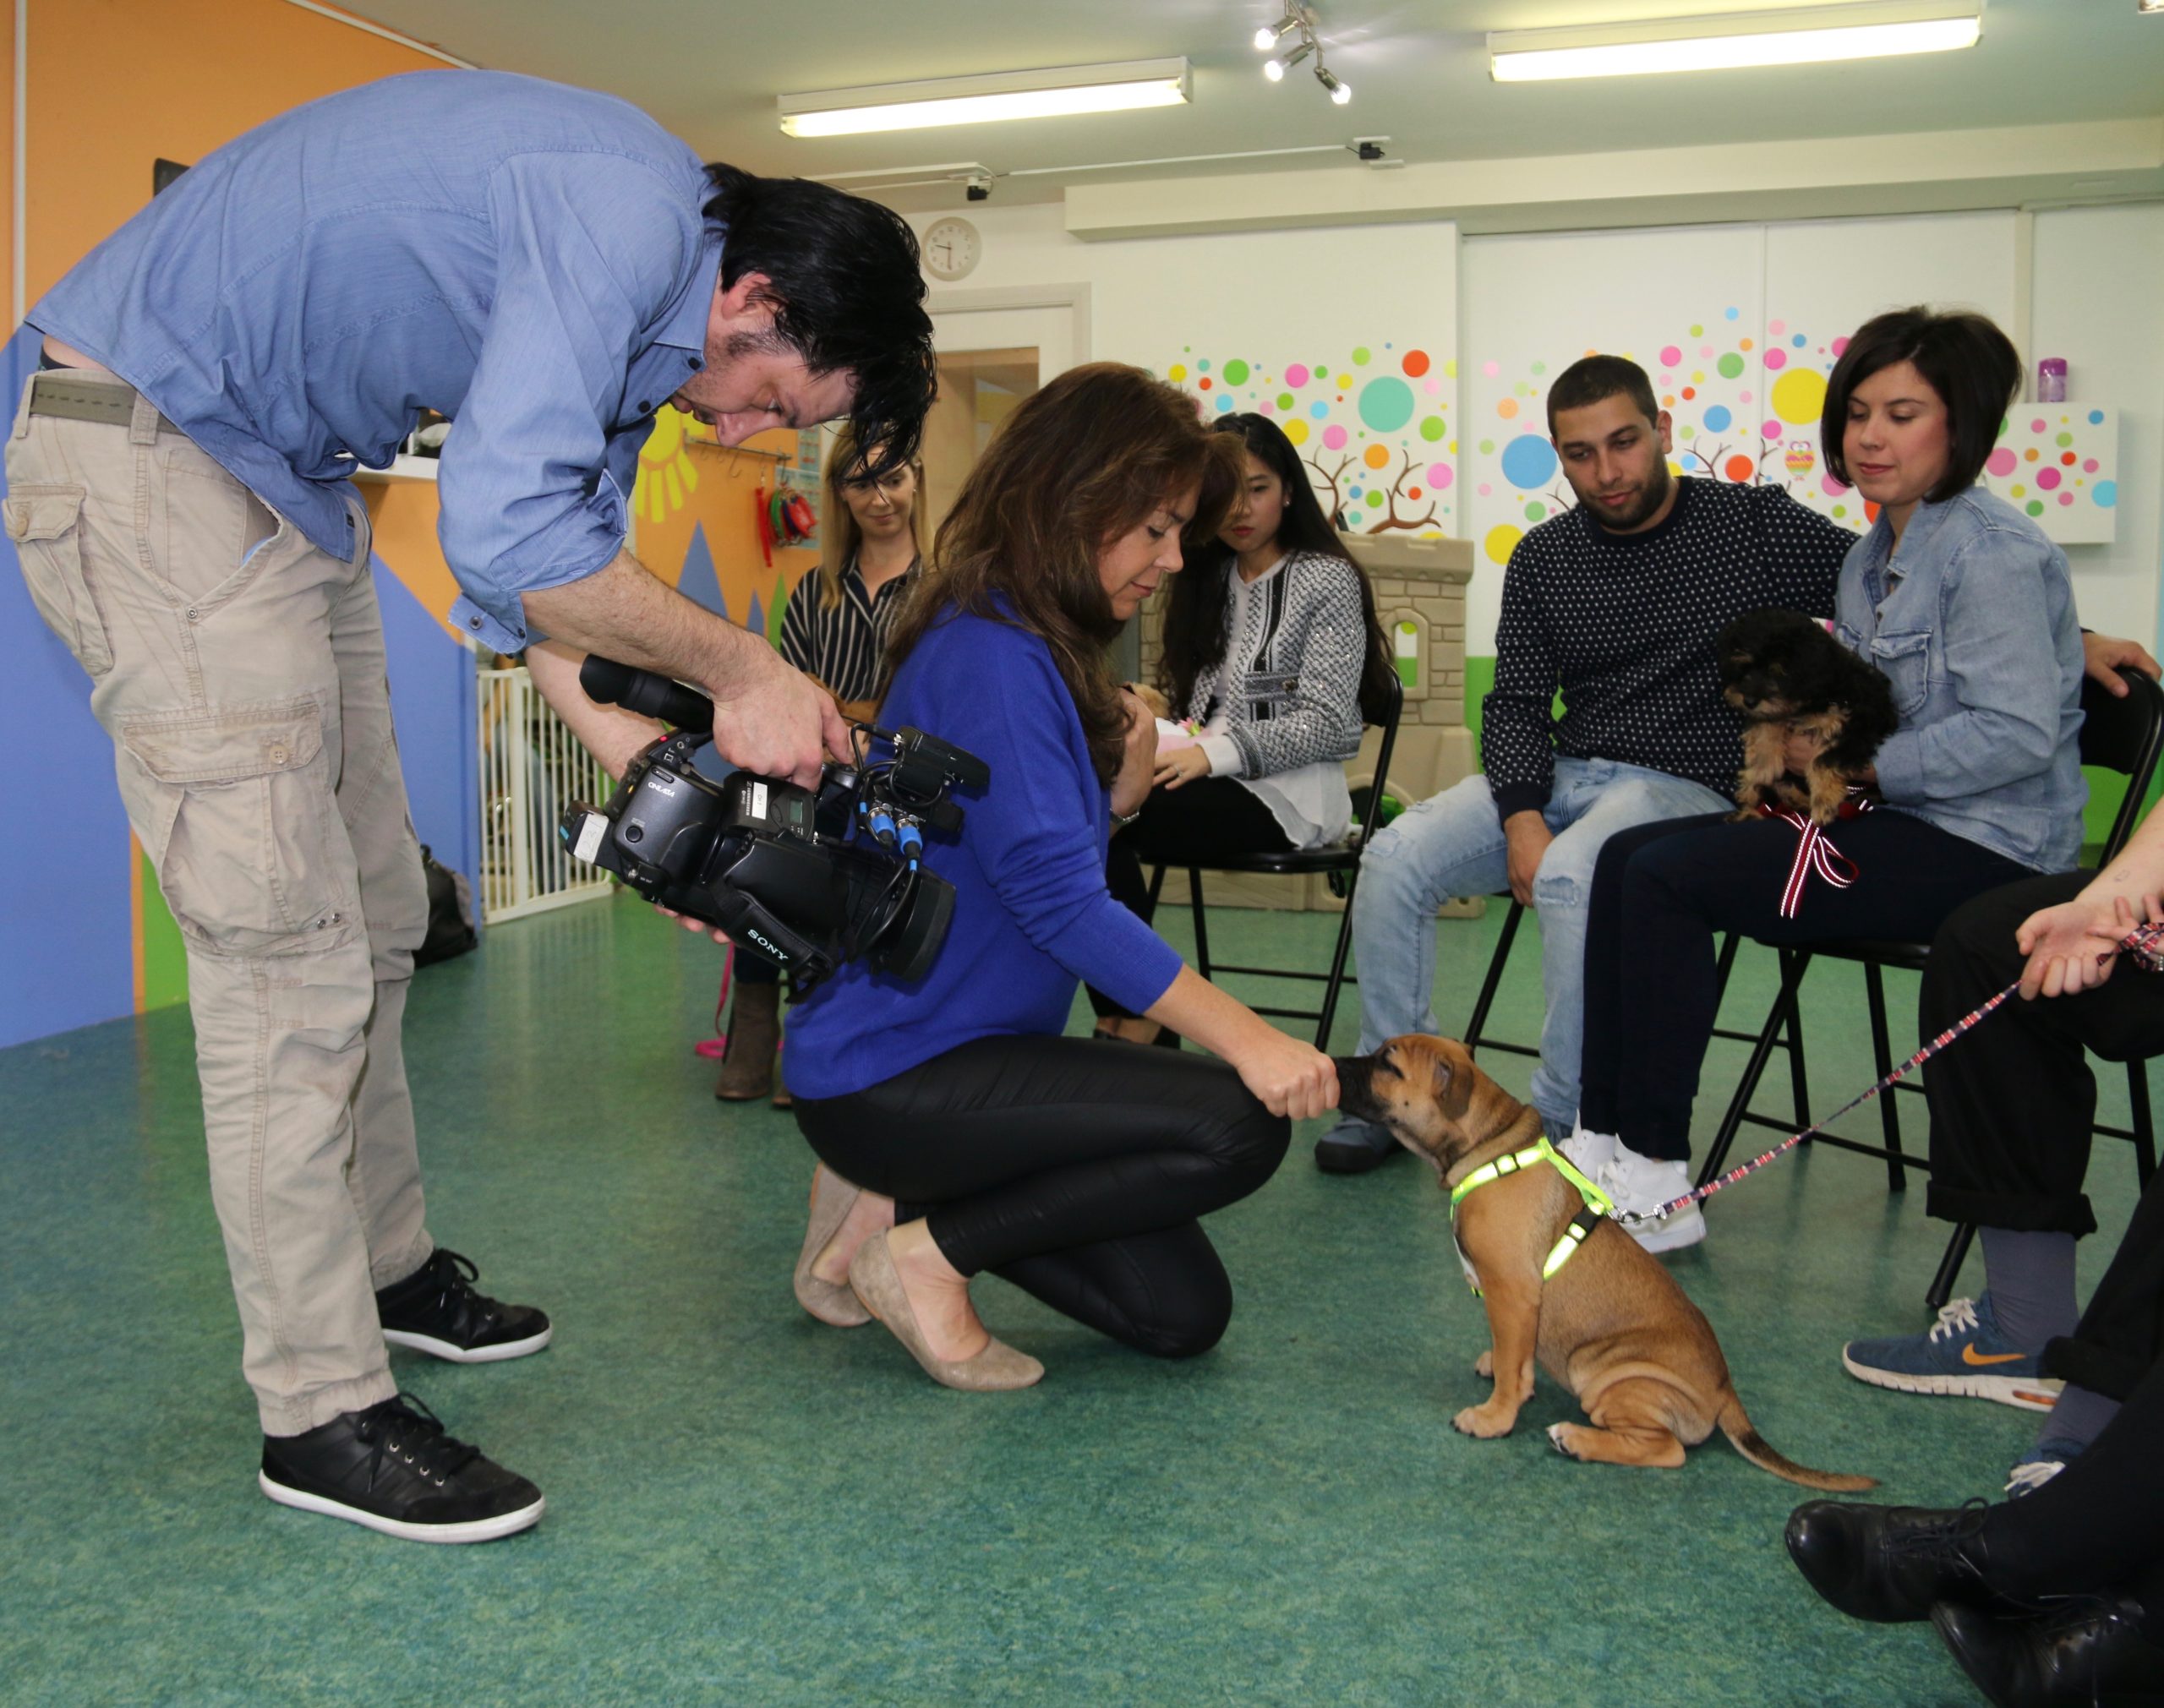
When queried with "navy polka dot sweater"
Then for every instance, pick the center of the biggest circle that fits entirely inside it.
(1624, 625)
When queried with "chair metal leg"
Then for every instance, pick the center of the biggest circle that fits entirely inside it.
(1792, 971)
(1882, 1050)
(1329, 991)
(1798, 1076)
(1201, 926)
(1497, 963)
(1949, 1266)
(2144, 1131)
(1156, 889)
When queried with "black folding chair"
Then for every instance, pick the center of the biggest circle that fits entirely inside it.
(1476, 1030)
(1339, 860)
(2124, 735)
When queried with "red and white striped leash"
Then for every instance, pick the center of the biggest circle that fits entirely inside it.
(1814, 851)
(2144, 946)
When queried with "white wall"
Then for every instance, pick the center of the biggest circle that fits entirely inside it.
(2099, 302)
(1538, 302)
(1348, 337)
(1313, 297)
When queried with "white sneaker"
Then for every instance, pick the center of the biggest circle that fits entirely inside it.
(1642, 1184)
(1589, 1152)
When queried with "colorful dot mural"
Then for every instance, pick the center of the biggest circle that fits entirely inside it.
(2064, 456)
(1370, 422)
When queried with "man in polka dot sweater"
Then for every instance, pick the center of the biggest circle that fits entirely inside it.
(1615, 603)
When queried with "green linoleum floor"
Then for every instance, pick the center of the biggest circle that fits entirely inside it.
(748, 1507)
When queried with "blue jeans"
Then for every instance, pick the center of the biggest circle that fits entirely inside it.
(1453, 845)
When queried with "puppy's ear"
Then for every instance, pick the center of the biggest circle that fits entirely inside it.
(1453, 1090)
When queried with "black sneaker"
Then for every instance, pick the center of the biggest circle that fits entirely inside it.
(393, 1469)
(435, 1310)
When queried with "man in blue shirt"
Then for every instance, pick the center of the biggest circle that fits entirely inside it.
(547, 267)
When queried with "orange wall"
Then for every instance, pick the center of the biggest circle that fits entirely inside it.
(175, 78)
(8, 154)
(686, 485)
(163, 78)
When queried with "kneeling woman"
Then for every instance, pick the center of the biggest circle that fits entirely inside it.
(957, 1130)
(1966, 607)
(1273, 647)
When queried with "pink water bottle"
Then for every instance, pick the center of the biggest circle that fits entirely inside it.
(2051, 379)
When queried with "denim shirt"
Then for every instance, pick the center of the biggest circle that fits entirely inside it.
(529, 259)
(1973, 625)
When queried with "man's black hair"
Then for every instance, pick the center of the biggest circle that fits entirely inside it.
(1594, 379)
(847, 293)
(1969, 363)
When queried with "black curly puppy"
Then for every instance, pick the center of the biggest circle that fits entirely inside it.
(1787, 675)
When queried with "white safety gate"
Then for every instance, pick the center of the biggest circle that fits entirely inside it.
(531, 768)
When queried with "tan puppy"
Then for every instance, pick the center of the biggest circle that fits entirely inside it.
(1154, 698)
(1611, 1325)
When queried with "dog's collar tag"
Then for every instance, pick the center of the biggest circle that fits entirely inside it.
(1597, 1207)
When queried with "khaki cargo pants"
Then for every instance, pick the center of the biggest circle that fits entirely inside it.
(240, 673)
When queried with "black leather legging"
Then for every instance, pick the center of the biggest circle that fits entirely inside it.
(1076, 1168)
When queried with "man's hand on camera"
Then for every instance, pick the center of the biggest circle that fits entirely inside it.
(692, 926)
(777, 721)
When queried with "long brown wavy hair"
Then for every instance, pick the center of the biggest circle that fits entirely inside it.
(1076, 466)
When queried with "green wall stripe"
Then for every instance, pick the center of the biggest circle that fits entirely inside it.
(165, 958)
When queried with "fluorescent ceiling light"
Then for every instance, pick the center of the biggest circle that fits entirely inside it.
(1052, 94)
(1796, 36)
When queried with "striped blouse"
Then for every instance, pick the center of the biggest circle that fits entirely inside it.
(844, 648)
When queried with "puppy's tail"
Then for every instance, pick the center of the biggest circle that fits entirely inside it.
(1736, 1426)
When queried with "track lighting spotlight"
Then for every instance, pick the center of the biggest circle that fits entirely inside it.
(1298, 19)
(1269, 35)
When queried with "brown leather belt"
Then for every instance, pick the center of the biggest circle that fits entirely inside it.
(75, 396)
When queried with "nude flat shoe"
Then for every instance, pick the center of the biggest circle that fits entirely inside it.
(998, 1367)
(831, 1301)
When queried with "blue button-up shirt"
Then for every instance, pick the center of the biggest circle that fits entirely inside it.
(526, 258)
(1973, 623)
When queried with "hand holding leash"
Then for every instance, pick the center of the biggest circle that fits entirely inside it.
(2062, 942)
(2141, 941)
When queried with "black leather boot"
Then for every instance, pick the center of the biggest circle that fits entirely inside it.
(1890, 1563)
(2092, 1651)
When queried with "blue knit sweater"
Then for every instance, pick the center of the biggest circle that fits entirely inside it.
(1031, 912)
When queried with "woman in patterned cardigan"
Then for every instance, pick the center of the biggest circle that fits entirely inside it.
(1273, 656)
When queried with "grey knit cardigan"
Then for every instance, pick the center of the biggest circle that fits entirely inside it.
(1299, 702)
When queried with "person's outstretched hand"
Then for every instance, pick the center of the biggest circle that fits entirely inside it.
(1287, 1075)
(2074, 946)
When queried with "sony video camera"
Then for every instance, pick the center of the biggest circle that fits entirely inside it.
(806, 880)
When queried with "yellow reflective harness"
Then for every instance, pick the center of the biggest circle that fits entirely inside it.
(1596, 1208)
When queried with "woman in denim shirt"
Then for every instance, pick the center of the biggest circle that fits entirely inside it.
(1966, 607)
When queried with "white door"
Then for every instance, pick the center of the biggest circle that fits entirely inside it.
(1049, 329)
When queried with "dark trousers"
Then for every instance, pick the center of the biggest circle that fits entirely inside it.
(1076, 1168)
(1194, 824)
(1661, 893)
(2012, 1105)
(2099, 1524)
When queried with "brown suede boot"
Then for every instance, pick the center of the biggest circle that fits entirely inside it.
(747, 1065)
